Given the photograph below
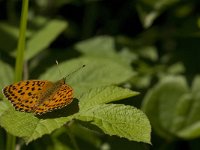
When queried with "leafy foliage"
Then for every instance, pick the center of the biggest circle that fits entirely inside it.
(31, 127)
(127, 46)
(173, 95)
(93, 89)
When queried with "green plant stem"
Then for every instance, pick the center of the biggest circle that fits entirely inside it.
(71, 136)
(11, 140)
(21, 41)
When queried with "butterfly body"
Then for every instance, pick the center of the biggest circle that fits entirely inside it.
(39, 96)
(50, 90)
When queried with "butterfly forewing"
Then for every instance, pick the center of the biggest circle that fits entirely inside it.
(25, 95)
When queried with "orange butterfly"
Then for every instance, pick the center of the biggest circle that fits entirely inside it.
(39, 96)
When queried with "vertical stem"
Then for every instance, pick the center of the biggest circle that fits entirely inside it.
(11, 140)
(21, 42)
(71, 136)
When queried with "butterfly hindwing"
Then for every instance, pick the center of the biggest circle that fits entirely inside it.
(60, 98)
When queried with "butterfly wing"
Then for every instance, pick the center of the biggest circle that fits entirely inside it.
(24, 95)
(61, 98)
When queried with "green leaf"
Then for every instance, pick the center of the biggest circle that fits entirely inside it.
(8, 33)
(26, 125)
(192, 112)
(102, 46)
(161, 102)
(150, 10)
(191, 123)
(98, 46)
(176, 68)
(181, 112)
(6, 74)
(190, 132)
(4, 106)
(148, 52)
(102, 95)
(116, 119)
(43, 38)
(98, 72)
(29, 127)
(196, 85)
(173, 109)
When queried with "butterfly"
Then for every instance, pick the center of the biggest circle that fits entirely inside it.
(39, 96)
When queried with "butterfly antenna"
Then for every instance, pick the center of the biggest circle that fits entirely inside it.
(58, 68)
(74, 71)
